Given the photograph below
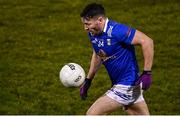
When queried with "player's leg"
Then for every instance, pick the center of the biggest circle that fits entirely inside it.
(139, 108)
(102, 106)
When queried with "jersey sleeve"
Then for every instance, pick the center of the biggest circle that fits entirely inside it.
(124, 33)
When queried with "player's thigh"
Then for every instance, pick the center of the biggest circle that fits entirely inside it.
(103, 105)
(139, 108)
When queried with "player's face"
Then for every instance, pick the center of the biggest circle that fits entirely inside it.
(92, 25)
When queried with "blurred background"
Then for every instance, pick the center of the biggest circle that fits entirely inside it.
(38, 37)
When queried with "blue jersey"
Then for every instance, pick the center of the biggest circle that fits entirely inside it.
(117, 53)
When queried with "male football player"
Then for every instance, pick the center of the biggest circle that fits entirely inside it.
(113, 46)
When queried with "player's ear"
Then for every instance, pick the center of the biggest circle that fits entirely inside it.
(100, 19)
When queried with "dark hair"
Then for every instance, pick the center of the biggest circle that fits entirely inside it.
(92, 10)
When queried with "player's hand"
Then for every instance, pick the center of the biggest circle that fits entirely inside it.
(84, 88)
(145, 79)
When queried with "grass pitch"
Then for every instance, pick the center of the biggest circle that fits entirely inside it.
(38, 37)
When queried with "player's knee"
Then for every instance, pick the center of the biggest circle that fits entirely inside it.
(94, 112)
(130, 112)
(90, 112)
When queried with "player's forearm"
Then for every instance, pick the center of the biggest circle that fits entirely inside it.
(94, 66)
(148, 53)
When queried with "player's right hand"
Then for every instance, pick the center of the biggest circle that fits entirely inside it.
(84, 88)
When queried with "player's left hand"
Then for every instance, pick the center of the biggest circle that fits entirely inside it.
(145, 79)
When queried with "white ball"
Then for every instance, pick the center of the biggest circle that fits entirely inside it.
(72, 75)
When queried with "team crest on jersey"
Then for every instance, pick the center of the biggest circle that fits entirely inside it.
(108, 42)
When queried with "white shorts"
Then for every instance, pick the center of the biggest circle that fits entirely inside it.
(126, 95)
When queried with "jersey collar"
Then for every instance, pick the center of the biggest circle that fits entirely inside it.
(105, 26)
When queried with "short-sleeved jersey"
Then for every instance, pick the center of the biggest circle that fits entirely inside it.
(117, 53)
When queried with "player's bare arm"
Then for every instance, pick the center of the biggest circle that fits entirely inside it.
(147, 48)
(94, 66)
